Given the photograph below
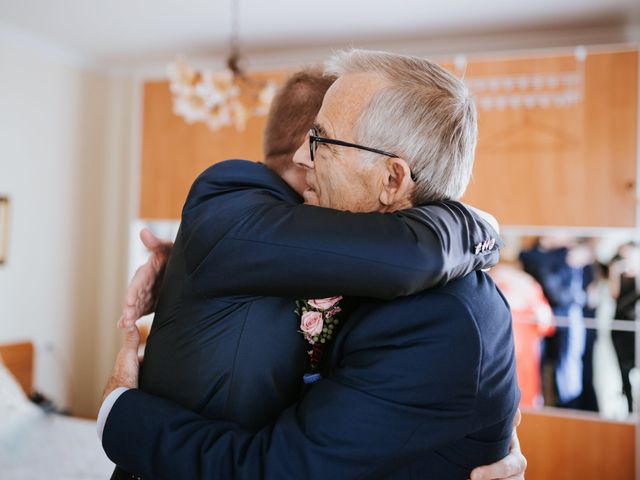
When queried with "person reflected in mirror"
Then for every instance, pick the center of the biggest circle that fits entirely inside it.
(558, 263)
(624, 275)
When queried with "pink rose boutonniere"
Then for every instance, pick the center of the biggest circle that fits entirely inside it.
(311, 324)
(323, 304)
(317, 323)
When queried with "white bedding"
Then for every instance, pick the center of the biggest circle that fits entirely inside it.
(49, 446)
(39, 446)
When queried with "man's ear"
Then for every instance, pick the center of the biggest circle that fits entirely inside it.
(397, 185)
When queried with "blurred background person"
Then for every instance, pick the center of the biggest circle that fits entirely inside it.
(532, 321)
(623, 286)
(581, 256)
(561, 265)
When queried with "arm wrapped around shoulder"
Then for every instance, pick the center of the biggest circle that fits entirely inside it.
(246, 233)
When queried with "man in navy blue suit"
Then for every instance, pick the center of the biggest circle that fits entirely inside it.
(423, 386)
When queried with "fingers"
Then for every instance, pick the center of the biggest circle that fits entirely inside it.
(131, 340)
(125, 371)
(139, 299)
(149, 240)
(128, 318)
(154, 243)
(137, 284)
(514, 446)
(140, 296)
(517, 419)
(510, 467)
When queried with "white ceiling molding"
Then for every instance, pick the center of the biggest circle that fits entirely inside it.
(490, 44)
(136, 35)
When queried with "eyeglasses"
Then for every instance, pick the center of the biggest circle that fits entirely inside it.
(314, 139)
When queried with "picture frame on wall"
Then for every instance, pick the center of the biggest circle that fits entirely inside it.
(4, 228)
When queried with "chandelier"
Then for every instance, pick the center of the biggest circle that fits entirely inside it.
(220, 99)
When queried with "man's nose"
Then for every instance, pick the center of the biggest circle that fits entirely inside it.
(302, 157)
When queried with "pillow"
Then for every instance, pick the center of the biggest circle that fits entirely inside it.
(15, 408)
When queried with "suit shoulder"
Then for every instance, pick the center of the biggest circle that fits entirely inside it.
(233, 167)
(237, 172)
(244, 182)
(464, 311)
(223, 196)
(455, 315)
(477, 291)
(432, 316)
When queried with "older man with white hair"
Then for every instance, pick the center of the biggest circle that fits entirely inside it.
(422, 386)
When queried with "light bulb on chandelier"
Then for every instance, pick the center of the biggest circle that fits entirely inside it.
(219, 99)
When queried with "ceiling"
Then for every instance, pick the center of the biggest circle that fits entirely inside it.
(121, 30)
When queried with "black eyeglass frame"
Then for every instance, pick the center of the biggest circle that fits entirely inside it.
(314, 138)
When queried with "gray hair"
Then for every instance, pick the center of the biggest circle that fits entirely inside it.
(425, 115)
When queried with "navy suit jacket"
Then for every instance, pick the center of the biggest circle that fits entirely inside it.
(219, 350)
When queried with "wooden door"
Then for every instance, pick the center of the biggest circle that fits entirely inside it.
(555, 164)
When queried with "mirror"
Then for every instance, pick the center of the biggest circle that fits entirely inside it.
(574, 303)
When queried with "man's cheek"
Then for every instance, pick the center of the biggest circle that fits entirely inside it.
(296, 179)
(311, 198)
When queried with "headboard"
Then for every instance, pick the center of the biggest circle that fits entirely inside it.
(18, 357)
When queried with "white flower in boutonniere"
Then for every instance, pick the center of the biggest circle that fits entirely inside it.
(317, 323)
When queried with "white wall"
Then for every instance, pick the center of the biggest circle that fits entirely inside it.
(63, 162)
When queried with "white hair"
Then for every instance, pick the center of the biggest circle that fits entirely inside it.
(424, 115)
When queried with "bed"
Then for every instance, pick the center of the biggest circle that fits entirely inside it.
(35, 445)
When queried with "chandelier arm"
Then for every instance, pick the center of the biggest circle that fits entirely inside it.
(234, 38)
(228, 99)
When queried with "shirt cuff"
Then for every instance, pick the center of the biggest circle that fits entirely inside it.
(106, 407)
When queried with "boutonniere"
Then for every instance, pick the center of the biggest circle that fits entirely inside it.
(318, 321)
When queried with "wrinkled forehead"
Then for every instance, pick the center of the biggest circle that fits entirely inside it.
(345, 100)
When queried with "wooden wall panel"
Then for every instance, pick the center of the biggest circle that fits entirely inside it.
(569, 166)
(18, 358)
(566, 166)
(174, 153)
(561, 447)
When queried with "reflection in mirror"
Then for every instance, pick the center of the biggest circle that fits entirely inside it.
(575, 304)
